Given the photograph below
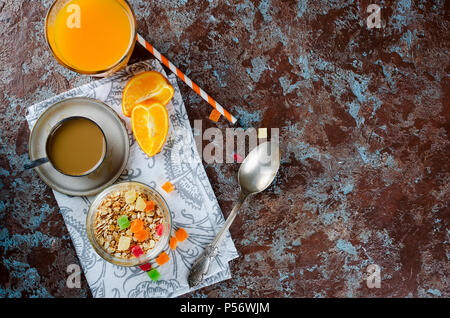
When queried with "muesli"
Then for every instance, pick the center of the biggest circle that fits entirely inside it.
(125, 219)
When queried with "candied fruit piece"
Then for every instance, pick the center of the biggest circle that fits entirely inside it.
(123, 222)
(142, 235)
(124, 243)
(237, 158)
(181, 234)
(137, 251)
(145, 267)
(168, 187)
(173, 243)
(149, 206)
(262, 133)
(162, 258)
(154, 274)
(140, 204)
(137, 225)
(130, 196)
(215, 115)
(159, 229)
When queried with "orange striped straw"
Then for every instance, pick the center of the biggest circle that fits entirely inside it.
(186, 79)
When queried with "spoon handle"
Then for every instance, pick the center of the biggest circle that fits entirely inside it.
(35, 163)
(201, 266)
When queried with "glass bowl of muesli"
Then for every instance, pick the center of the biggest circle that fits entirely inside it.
(127, 214)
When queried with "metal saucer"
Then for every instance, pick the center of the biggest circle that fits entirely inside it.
(116, 135)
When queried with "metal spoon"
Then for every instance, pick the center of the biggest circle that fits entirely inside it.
(35, 163)
(256, 173)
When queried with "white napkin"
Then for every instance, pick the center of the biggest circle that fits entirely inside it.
(193, 203)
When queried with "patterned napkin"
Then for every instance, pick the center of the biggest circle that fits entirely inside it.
(193, 203)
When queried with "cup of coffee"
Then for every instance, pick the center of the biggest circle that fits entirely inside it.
(76, 146)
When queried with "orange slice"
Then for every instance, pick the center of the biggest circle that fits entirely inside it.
(148, 85)
(150, 124)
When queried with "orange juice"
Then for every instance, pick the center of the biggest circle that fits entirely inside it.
(91, 36)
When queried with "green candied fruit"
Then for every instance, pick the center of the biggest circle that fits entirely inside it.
(154, 274)
(123, 222)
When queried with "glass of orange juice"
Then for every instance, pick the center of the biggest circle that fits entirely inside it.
(94, 37)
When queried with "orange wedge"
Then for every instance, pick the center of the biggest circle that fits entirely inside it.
(148, 85)
(150, 124)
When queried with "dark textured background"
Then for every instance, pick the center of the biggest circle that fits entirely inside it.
(364, 123)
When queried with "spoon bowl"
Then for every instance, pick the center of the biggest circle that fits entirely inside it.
(259, 168)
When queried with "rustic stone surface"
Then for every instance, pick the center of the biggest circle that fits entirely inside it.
(364, 125)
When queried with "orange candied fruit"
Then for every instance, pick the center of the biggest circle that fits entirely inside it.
(168, 187)
(137, 225)
(142, 235)
(181, 234)
(173, 243)
(149, 206)
(214, 116)
(162, 258)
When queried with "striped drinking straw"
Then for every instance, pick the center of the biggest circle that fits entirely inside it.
(186, 79)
